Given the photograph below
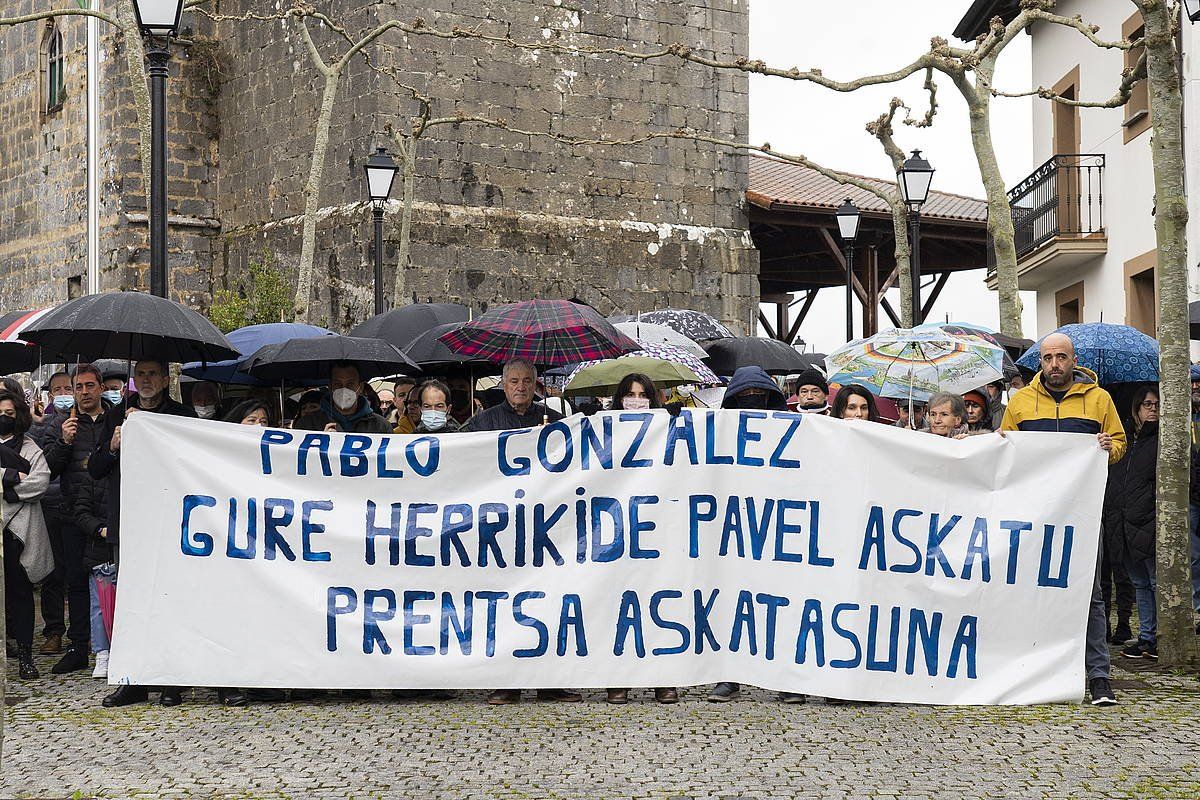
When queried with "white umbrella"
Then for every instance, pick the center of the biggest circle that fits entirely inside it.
(652, 333)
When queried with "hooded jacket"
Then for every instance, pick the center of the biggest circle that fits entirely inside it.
(1129, 518)
(754, 378)
(1086, 408)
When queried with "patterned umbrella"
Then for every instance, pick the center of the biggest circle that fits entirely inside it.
(975, 333)
(662, 352)
(653, 333)
(695, 325)
(1116, 353)
(916, 363)
(546, 332)
(16, 354)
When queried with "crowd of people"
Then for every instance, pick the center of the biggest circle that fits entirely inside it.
(62, 471)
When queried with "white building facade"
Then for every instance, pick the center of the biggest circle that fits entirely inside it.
(1084, 216)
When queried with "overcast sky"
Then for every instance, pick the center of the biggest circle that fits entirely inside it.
(850, 38)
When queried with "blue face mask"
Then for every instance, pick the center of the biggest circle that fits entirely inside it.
(112, 395)
(64, 402)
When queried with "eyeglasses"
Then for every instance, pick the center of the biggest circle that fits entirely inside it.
(1150, 405)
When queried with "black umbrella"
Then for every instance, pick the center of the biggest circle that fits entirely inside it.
(130, 325)
(774, 356)
(429, 353)
(401, 326)
(312, 358)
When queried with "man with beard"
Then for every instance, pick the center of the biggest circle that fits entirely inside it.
(1065, 397)
(812, 393)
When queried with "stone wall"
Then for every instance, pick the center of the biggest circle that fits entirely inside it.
(498, 216)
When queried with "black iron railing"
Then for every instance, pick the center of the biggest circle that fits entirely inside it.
(1064, 196)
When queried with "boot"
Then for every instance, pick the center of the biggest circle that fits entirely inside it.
(25, 667)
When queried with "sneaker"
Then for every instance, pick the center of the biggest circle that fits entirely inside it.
(1133, 651)
(1150, 650)
(1102, 693)
(1123, 633)
(101, 670)
(792, 698)
(724, 692)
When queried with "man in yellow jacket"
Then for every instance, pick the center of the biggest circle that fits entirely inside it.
(1066, 397)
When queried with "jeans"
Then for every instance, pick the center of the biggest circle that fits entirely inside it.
(1194, 520)
(1095, 654)
(1144, 575)
(105, 572)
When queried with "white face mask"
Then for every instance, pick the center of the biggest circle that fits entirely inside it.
(635, 403)
(205, 412)
(433, 420)
(345, 398)
(685, 390)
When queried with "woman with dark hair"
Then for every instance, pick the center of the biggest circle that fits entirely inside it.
(251, 412)
(28, 558)
(636, 392)
(1129, 520)
(853, 401)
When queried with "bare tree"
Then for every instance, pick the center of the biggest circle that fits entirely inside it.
(1176, 632)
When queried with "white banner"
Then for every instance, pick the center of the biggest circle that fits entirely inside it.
(842, 559)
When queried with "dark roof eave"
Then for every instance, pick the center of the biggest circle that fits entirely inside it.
(975, 21)
(767, 204)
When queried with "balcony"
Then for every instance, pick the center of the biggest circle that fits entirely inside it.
(1058, 219)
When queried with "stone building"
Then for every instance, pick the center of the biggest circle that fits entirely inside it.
(497, 216)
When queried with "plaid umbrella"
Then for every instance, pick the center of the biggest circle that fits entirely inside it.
(662, 352)
(547, 332)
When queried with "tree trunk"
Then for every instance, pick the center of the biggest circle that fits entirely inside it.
(1000, 222)
(312, 197)
(409, 152)
(1176, 634)
(903, 265)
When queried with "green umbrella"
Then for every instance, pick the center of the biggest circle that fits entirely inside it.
(601, 377)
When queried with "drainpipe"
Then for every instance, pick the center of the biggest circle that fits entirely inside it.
(93, 155)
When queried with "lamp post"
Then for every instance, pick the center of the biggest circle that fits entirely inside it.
(848, 217)
(158, 21)
(381, 172)
(914, 178)
(1192, 9)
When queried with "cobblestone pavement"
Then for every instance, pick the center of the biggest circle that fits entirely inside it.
(60, 743)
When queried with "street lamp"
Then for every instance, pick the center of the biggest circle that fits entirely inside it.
(158, 21)
(381, 172)
(1192, 9)
(848, 217)
(914, 178)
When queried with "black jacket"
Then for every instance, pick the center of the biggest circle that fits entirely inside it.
(90, 515)
(69, 461)
(504, 417)
(1129, 517)
(103, 463)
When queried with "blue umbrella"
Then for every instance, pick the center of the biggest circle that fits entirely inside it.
(1116, 353)
(246, 341)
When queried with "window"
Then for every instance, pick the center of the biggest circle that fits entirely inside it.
(1068, 304)
(54, 69)
(1141, 293)
(1137, 110)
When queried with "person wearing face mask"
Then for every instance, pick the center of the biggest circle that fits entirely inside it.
(53, 589)
(206, 400)
(68, 445)
(437, 412)
(116, 386)
(151, 379)
(344, 408)
(636, 392)
(28, 557)
(752, 387)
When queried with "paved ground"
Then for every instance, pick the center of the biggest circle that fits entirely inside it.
(60, 743)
